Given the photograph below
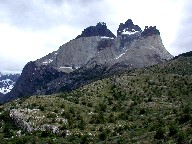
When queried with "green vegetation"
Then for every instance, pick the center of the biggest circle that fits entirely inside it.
(149, 105)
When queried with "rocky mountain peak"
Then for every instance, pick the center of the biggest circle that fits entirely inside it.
(99, 30)
(149, 31)
(128, 28)
(129, 22)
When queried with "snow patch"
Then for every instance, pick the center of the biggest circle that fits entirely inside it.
(6, 81)
(105, 37)
(6, 86)
(47, 61)
(5, 90)
(127, 32)
(65, 67)
(120, 56)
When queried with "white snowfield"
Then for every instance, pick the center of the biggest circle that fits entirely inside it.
(105, 37)
(47, 61)
(8, 86)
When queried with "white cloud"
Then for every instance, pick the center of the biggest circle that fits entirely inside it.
(18, 46)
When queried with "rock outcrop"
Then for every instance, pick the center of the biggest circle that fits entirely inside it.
(94, 54)
(128, 28)
(17, 118)
(99, 30)
(149, 31)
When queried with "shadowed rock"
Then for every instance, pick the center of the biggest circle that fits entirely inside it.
(149, 31)
(99, 30)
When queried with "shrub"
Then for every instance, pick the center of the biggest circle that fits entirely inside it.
(103, 135)
(181, 137)
(184, 118)
(41, 107)
(142, 111)
(173, 129)
(159, 133)
(85, 140)
(51, 115)
(56, 110)
(45, 134)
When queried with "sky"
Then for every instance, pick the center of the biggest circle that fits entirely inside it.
(31, 29)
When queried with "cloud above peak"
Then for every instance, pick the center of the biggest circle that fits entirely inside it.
(46, 14)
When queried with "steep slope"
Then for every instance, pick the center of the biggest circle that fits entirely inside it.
(95, 53)
(32, 79)
(1, 95)
(79, 51)
(146, 105)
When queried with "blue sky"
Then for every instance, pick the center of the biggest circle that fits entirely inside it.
(31, 29)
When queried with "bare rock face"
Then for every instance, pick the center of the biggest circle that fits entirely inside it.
(93, 54)
(17, 118)
(149, 31)
(72, 55)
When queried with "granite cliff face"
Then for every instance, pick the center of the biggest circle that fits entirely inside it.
(93, 54)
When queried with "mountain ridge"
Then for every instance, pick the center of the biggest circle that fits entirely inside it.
(96, 46)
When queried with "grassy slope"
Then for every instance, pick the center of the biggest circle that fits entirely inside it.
(148, 105)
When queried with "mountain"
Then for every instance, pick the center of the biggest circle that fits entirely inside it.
(144, 105)
(94, 54)
(1, 94)
(7, 82)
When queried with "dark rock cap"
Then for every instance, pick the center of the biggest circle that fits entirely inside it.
(99, 30)
(149, 31)
(128, 25)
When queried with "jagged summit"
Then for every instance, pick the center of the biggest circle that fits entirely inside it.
(128, 28)
(149, 31)
(99, 30)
